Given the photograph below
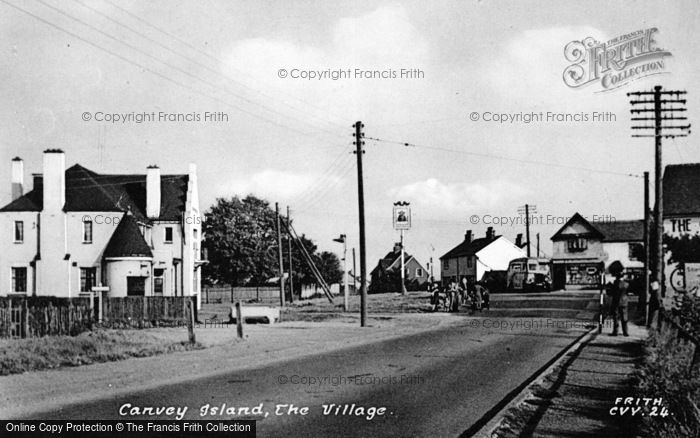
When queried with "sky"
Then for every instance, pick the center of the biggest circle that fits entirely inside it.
(288, 138)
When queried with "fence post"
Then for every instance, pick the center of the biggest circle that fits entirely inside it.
(190, 319)
(26, 318)
(239, 320)
(206, 292)
(232, 293)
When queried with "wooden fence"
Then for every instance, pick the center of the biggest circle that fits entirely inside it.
(26, 317)
(229, 294)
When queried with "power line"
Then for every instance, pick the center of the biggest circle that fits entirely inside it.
(501, 157)
(171, 66)
(206, 67)
(216, 59)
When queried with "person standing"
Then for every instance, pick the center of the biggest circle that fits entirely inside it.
(478, 296)
(618, 292)
(454, 296)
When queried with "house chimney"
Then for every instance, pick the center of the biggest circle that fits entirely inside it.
(54, 180)
(468, 236)
(397, 247)
(519, 240)
(153, 191)
(37, 181)
(490, 233)
(17, 178)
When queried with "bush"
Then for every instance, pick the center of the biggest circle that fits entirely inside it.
(665, 374)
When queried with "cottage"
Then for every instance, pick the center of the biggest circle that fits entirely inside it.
(583, 250)
(472, 258)
(137, 234)
(386, 276)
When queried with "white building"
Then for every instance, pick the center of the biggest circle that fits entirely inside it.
(472, 258)
(138, 234)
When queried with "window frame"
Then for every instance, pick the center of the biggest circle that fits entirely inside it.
(85, 229)
(83, 279)
(21, 232)
(13, 277)
(165, 235)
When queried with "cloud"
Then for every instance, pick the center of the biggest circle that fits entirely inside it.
(458, 198)
(533, 62)
(275, 184)
(381, 40)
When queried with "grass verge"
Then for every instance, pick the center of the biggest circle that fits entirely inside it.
(665, 374)
(23, 355)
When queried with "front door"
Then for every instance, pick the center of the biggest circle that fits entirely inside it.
(559, 277)
(135, 286)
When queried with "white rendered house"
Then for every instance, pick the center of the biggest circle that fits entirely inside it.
(138, 234)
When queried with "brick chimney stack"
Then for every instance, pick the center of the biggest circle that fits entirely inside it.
(468, 236)
(17, 178)
(490, 233)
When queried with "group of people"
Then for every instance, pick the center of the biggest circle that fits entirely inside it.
(454, 295)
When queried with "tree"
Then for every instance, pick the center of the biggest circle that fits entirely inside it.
(240, 237)
(329, 266)
(241, 241)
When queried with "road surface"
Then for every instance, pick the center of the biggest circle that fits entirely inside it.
(436, 383)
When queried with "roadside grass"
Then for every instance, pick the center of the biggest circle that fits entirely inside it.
(665, 374)
(34, 354)
(320, 309)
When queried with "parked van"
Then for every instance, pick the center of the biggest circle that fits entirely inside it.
(529, 274)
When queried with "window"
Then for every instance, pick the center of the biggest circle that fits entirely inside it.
(168, 235)
(470, 262)
(158, 281)
(636, 251)
(88, 277)
(87, 231)
(577, 244)
(19, 231)
(19, 280)
(419, 272)
(446, 264)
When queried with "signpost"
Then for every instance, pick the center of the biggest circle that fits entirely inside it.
(98, 289)
(402, 221)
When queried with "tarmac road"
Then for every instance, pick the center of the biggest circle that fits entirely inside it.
(433, 384)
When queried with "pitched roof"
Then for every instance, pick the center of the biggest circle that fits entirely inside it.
(681, 187)
(577, 218)
(90, 191)
(390, 258)
(467, 248)
(621, 231)
(127, 240)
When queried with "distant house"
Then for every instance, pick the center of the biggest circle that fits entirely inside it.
(386, 276)
(681, 208)
(583, 250)
(138, 234)
(472, 258)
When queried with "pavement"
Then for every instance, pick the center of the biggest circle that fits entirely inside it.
(576, 399)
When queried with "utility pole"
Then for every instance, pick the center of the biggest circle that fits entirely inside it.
(647, 250)
(354, 272)
(361, 206)
(527, 209)
(538, 244)
(291, 266)
(279, 253)
(343, 239)
(662, 113)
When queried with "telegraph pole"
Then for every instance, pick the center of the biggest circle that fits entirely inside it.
(659, 101)
(344, 240)
(527, 209)
(291, 268)
(279, 253)
(538, 244)
(361, 204)
(354, 272)
(647, 249)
